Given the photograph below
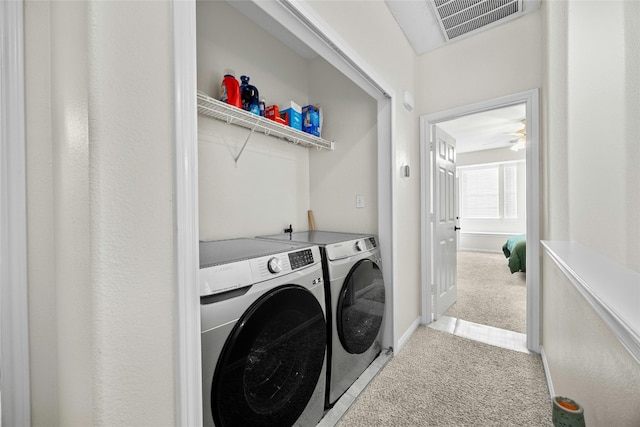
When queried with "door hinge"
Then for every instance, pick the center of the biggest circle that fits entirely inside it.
(433, 289)
(430, 145)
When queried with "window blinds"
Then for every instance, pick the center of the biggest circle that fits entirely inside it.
(480, 193)
(489, 192)
(510, 192)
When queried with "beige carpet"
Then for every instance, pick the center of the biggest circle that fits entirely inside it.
(439, 379)
(488, 293)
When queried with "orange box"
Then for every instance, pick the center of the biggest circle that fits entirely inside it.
(273, 112)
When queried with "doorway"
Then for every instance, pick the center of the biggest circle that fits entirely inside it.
(429, 204)
(491, 190)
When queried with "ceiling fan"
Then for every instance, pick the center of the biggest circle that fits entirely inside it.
(519, 142)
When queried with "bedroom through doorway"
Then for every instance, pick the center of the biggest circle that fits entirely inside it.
(497, 181)
(492, 216)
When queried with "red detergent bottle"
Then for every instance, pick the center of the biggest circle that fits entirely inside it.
(230, 89)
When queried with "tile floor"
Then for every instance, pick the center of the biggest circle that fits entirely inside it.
(343, 404)
(487, 334)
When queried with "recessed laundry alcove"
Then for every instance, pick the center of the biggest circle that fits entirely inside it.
(274, 183)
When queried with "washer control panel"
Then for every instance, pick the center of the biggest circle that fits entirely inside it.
(286, 262)
(300, 259)
(371, 243)
(350, 248)
(245, 272)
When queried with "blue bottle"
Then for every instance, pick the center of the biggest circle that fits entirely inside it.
(250, 96)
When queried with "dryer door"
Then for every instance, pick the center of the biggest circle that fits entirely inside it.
(271, 362)
(360, 307)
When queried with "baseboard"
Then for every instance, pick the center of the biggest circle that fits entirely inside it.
(489, 234)
(470, 249)
(545, 364)
(405, 337)
(483, 241)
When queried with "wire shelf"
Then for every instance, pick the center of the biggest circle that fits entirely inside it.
(215, 109)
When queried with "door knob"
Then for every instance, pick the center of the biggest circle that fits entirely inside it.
(456, 228)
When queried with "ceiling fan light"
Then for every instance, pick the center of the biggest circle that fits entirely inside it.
(518, 145)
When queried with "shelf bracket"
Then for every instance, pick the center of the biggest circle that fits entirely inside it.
(244, 145)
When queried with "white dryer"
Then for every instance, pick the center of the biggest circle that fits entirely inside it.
(263, 333)
(355, 296)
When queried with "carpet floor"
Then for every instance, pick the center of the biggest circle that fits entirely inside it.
(439, 379)
(488, 293)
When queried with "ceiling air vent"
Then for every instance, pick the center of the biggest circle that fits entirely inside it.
(460, 17)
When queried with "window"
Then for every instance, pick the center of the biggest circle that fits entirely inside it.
(480, 193)
(489, 191)
(510, 192)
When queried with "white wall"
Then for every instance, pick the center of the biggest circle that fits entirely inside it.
(500, 61)
(263, 193)
(592, 100)
(603, 139)
(100, 225)
(352, 169)
(273, 184)
(132, 217)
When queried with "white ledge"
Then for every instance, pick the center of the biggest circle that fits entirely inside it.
(610, 288)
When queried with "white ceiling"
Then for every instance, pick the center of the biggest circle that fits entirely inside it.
(487, 130)
(421, 21)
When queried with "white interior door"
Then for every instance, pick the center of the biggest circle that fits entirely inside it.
(445, 224)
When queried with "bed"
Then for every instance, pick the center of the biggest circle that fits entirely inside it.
(515, 249)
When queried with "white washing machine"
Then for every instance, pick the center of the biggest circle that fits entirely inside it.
(263, 333)
(355, 295)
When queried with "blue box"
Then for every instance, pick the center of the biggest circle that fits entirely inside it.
(293, 116)
(311, 120)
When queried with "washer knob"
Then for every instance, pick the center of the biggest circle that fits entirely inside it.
(359, 246)
(275, 265)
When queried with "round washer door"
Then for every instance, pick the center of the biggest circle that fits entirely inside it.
(360, 307)
(271, 362)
